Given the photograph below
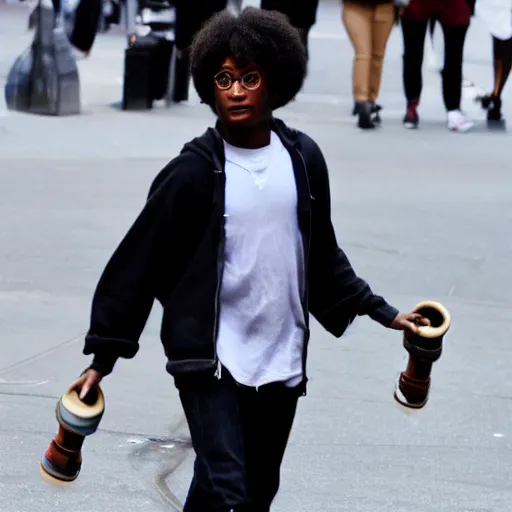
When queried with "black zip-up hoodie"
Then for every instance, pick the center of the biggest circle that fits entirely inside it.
(174, 252)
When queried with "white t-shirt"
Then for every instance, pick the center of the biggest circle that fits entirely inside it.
(261, 324)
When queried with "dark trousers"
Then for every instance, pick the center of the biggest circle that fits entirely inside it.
(414, 39)
(87, 19)
(301, 13)
(85, 24)
(191, 15)
(239, 436)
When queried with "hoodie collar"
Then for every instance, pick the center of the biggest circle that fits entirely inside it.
(210, 145)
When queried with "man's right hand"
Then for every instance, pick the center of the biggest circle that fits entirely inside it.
(90, 379)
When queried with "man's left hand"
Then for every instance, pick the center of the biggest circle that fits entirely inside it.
(409, 322)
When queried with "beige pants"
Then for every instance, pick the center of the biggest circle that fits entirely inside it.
(368, 27)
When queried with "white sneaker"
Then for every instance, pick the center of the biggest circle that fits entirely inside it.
(458, 122)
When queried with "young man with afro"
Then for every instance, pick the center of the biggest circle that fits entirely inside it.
(236, 243)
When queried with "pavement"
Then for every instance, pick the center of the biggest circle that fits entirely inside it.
(422, 215)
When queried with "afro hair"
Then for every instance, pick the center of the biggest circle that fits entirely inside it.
(256, 36)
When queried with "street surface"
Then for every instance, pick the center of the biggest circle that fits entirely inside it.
(422, 214)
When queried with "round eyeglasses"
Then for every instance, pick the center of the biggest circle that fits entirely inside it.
(250, 81)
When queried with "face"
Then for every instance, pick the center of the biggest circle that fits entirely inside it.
(241, 95)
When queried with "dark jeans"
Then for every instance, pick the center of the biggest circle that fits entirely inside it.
(301, 13)
(239, 436)
(414, 40)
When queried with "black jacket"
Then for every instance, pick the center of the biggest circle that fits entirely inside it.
(174, 252)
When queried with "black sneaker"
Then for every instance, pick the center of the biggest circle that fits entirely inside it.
(494, 116)
(376, 108)
(411, 118)
(365, 115)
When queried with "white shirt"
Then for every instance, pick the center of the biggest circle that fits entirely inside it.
(261, 323)
(497, 15)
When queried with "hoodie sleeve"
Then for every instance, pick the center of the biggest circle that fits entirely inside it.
(337, 293)
(147, 260)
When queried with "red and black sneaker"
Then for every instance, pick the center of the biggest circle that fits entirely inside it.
(411, 118)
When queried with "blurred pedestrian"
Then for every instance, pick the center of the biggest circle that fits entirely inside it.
(301, 14)
(80, 19)
(190, 16)
(368, 24)
(497, 15)
(454, 17)
(85, 24)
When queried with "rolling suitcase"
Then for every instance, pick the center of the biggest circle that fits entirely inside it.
(146, 71)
